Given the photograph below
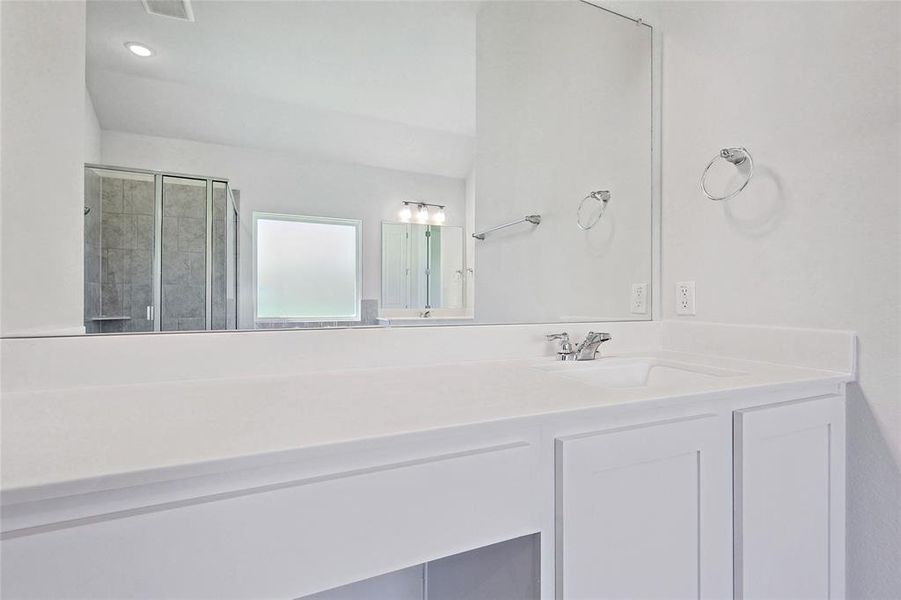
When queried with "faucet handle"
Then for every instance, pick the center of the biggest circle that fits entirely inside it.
(600, 337)
(566, 347)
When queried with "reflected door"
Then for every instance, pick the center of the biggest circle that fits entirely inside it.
(395, 265)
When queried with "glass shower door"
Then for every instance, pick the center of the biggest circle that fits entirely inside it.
(160, 252)
(184, 255)
(119, 244)
(224, 258)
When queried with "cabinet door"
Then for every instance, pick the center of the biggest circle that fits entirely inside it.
(790, 500)
(644, 512)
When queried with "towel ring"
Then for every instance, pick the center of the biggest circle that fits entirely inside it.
(736, 156)
(602, 196)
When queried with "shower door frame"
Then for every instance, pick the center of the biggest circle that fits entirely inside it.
(158, 177)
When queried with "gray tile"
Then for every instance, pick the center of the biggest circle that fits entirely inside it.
(136, 325)
(217, 308)
(219, 280)
(118, 231)
(92, 264)
(144, 232)
(112, 326)
(369, 311)
(126, 299)
(192, 235)
(112, 300)
(92, 227)
(138, 197)
(184, 301)
(111, 192)
(141, 298)
(92, 298)
(115, 266)
(170, 234)
(184, 201)
(191, 324)
(176, 268)
(197, 268)
(140, 266)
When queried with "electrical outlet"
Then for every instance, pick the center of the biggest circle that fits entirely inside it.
(685, 298)
(639, 298)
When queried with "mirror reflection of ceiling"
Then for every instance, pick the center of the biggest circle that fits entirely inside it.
(387, 84)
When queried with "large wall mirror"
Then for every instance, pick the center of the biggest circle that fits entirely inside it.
(308, 164)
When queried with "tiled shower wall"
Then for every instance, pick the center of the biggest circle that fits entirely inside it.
(219, 306)
(126, 254)
(184, 255)
(92, 252)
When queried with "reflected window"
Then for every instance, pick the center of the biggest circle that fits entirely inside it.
(306, 268)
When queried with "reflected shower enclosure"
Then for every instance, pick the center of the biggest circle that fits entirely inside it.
(160, 252)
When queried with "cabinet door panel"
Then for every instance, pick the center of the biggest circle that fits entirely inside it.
(644, 512)
(789, 500)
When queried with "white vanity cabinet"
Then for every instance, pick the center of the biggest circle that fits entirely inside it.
(701, 507)
(644, 511)
(790, 500)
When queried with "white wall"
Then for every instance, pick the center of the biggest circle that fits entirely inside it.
(812, 89)
(279, 182)
(41, 198)
(563, 108)
(92, 132)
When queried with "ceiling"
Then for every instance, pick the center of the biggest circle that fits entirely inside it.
(388, 84)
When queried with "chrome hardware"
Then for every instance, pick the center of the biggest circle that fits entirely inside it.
(740, 157)
(602, 197)
(566, 347)
(586, 350)
(533, 219)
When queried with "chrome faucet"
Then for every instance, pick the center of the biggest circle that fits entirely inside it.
(586, 350)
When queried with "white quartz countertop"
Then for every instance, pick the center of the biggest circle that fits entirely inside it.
(58, 436)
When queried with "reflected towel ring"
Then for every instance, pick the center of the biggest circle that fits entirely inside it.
(736, 156)
(601, 196)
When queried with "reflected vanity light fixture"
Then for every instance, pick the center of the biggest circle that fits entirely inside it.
(423, 215)
(139, 49)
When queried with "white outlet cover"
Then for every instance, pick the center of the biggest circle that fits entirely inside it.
(685, 297)
(639, 299)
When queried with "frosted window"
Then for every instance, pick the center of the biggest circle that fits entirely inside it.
(307, 268)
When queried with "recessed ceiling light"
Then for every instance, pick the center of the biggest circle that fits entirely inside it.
(139, 49)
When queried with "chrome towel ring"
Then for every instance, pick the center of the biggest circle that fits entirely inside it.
(736, 156)
(602, 197)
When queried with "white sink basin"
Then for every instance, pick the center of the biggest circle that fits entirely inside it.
(637, 372)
